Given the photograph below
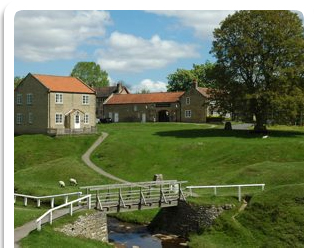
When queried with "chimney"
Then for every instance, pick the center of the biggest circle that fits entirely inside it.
(195, 84)
(119, 87)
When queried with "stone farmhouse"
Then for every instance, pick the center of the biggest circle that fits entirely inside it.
(102, 93)
(190, 106)
(54, 105)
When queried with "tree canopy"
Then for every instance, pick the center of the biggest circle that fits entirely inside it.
(260, 64)
(182, 79)
(91, 74)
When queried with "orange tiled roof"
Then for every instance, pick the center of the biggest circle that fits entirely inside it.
(63, 84)
(145, 98)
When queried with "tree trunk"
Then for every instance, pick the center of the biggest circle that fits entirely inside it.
(260, 126)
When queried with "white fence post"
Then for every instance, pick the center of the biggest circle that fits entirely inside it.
(52, 203)
(14, 198)
(38, 203)
(215, 190)
(66, 199)
(239, 193)
(71, 209)
(25, 201)
(39, 225)
(50, 218)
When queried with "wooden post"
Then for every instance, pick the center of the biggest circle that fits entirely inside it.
(25, 201)
(38, 203)
(179, 191)
(239, 193)
(97, 198)
(39, 225)
(52, 203)
(215, 191)
(50, 218)
(71, 209)
(66, 199)
(160, 196)
(263, 185)
(140, 203)
(14, 198)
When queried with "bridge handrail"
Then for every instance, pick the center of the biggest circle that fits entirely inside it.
(38, 198)
(135, 184)
(239, 186)
(38, 221)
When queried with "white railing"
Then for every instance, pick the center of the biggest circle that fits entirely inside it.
(50, 211)
(239, 186)
(51, 197)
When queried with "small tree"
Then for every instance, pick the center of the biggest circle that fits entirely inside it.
(91, 74)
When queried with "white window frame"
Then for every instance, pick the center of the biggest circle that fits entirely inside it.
(59, 98)
(19, 98)
(188, 113)
(58, 118)
(29, 99)
(86, 118)
(188, 101)
(30, 118)
(19, 118)
(85, 99)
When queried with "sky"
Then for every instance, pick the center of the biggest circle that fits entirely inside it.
(141, 48)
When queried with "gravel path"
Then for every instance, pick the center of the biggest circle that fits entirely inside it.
(89, 163)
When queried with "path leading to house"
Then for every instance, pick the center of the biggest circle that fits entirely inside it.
(22, 231)
(89, 163)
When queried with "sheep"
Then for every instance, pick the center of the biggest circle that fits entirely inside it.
(73, 181)
(62, 184)
(265, 137)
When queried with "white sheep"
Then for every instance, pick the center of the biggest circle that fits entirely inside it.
(62, 184)
(73, 181)
(265, 137)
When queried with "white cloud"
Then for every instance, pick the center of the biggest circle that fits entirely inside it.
(148, 84)
(203, 22)
(126, 52)
(53, 35)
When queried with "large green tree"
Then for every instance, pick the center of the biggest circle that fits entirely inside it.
(260, 64)
(182, 79)
(91, 74)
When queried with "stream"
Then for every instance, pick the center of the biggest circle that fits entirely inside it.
(127, 235)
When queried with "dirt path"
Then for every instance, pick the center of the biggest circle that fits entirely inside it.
(89, 163)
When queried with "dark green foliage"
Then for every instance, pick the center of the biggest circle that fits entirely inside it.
(91, 74)
(260, 65)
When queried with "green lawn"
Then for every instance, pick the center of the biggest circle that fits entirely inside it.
(200, 154)
(204, 155)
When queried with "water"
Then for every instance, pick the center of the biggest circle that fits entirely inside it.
(126, 235)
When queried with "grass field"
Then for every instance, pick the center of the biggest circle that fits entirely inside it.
(200, 154)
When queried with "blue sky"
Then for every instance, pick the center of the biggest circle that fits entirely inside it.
(139, 47)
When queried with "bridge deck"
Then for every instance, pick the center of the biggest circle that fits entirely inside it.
(115, 198)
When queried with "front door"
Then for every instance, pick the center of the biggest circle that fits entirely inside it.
(77, 121)
(116, 117)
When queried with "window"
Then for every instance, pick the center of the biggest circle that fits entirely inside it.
(188, 101)
(188, 113)
(85, 99)
(59, 98)
(19, 118)
(30, 118)
(29, 99)
(135, 108)
(59, 119)
(19, 99)
(86, 118)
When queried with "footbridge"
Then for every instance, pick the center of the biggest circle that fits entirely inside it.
(115, 198)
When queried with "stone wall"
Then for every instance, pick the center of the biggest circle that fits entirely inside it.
(92, 226)
(186, 218)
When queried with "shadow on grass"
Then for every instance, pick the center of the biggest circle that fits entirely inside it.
(197, 133)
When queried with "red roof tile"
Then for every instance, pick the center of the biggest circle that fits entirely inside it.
(145, 98)
(63, 84)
